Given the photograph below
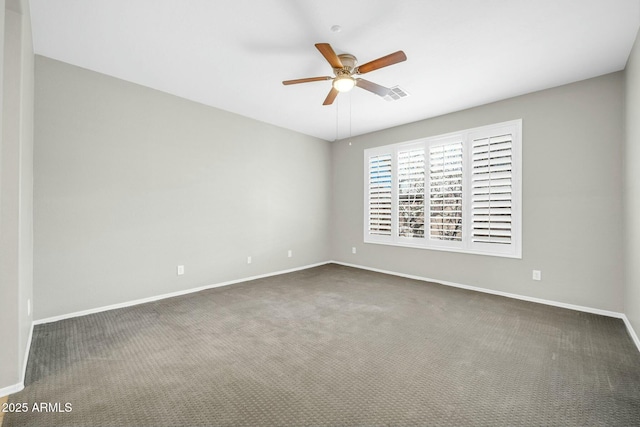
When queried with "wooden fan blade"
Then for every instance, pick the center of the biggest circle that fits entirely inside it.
(331, 97)
(327, 51)
(307, 80)
(372, 87)
(385, 61)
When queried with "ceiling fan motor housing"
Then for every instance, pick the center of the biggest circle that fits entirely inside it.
(348, 63)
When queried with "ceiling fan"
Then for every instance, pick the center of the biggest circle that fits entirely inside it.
(344, 69)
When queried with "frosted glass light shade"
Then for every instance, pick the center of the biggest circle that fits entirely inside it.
(344, 83)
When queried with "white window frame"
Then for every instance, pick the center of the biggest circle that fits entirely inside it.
(512, 250)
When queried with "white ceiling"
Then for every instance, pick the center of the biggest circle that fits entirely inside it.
(233, 54)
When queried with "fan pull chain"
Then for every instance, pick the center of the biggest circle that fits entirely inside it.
(337, 120)
(349, 119)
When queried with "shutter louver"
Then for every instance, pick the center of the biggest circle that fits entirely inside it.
(492, 190)
(411, 165)
(445, 192)
(380, 195)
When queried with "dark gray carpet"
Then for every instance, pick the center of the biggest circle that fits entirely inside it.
(334, 346)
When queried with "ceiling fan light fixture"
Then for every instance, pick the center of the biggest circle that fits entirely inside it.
(344, 83)
(344, 68)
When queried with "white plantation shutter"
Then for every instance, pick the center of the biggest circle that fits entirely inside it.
(379, 196)
(411, 203)
(459, 192)
(492, 189)
(445, 192)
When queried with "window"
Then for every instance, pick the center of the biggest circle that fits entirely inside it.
(445, 192)
(455, 192)
(380, 195)
(411, 193)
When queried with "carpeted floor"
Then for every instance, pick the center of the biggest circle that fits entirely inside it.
(333, 346)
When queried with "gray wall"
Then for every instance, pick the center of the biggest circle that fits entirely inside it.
(131, 182)
(16, 190)
(632, 189)
(572, 198)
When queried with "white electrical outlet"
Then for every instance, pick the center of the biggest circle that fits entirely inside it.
(28, 306)
(353, 250)
(290, 253)
(537, 275)
(180, 270)
(248, 260)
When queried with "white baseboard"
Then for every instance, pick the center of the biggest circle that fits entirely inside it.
(491, 291)
(601, 312)
(6, 391)
(26, 353)
(632, 333)
(19, 386)
(170, 295)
